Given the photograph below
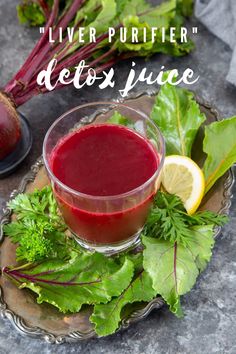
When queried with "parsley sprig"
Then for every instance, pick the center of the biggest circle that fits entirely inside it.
(39, 229)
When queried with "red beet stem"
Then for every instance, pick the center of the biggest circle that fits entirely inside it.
(25, 67)
(19, 100)
(28, 71)
(24, 85)
(33, 89)
(98, 70)
(68, 16)
(36, 90)
(59, 51)
(82, 54)
(44, 6)
(41, 52)
(62, 49)
(79, 55)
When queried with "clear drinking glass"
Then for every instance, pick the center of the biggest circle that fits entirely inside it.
(113, 223)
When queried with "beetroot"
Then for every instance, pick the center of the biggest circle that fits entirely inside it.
(9, 126)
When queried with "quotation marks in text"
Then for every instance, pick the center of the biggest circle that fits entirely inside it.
(194, 30)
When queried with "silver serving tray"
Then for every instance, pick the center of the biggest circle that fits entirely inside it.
(44, 321)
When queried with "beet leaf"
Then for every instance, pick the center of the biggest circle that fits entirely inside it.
(106, 317)
(173, 267)
(86, 279)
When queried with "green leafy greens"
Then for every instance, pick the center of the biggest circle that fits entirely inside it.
(30, 12)
(169, 220)
(64, 275)
(88, 279)
(39, 230)
(176, 246)
(117, 118)
(179, 117)
(107, 317)
(220, 156)
(174, 267)
(101, 14)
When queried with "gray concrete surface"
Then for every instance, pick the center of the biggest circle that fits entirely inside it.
(209, 325)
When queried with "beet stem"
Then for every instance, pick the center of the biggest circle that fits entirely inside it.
(44, 6)
(68, 16)
(24, 85)
(31, 67)
(82, 54)
(33, 92)
(19, 77)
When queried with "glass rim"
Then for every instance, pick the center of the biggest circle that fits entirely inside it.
(108, 197)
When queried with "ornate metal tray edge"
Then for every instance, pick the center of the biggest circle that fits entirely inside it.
(135, 316)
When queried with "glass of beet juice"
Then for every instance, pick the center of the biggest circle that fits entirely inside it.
(104, 161)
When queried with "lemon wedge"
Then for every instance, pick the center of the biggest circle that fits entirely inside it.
(183, 177)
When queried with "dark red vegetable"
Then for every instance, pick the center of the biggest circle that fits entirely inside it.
(100, 55)
(9, 126)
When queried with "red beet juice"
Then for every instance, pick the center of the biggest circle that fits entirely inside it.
(103, 164)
